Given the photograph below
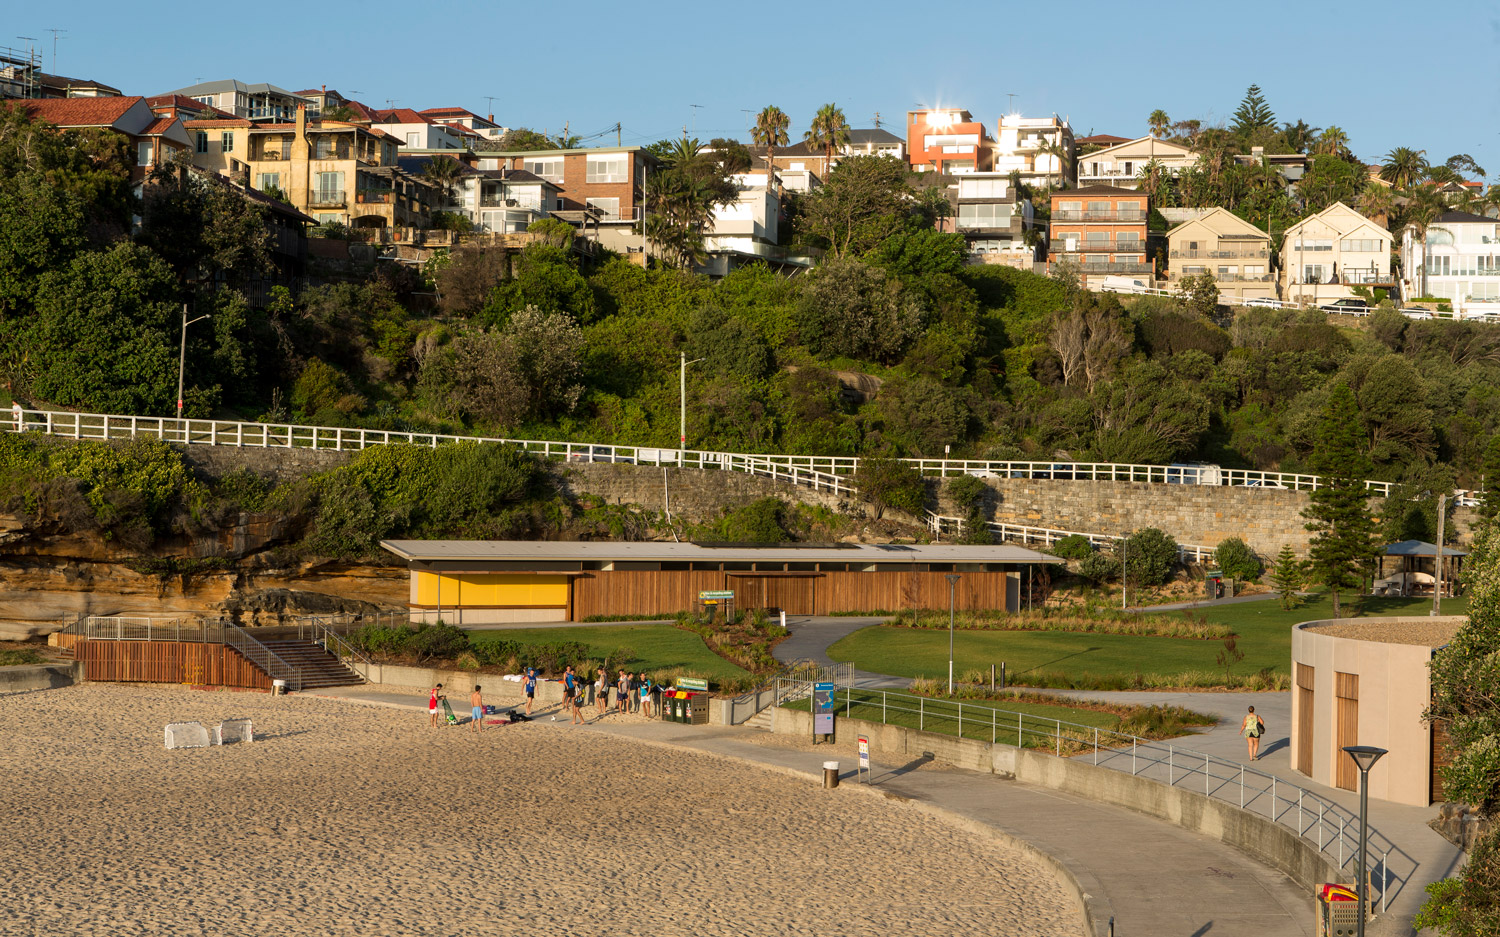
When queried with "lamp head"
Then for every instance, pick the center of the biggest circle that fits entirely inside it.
(1364, 755)
(953, 578)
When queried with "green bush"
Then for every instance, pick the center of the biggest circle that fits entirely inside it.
(1150, 554)
(1073, 547)
(437, 642)
(1237, 560)
(1099, 568)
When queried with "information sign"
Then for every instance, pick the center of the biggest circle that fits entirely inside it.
(699, 684)
(823, 705)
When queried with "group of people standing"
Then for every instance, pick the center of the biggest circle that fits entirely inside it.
(634, 693)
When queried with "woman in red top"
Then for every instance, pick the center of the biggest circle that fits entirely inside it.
(432, 704)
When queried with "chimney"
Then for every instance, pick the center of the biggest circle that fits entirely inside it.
(301, 120)
(491, 118)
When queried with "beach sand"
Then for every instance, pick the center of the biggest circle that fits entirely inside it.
(343, 819)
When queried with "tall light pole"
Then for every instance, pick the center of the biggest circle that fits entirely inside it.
(1124, 574)
(953, 579)
(1437, 587)
(182, 359)
(682, 391)
(1365, 757)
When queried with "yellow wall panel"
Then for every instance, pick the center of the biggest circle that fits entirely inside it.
(497, 590)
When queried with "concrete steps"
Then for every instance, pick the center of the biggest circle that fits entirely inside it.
(319, 668)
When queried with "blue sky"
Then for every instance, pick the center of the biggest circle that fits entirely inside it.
(1388, 73)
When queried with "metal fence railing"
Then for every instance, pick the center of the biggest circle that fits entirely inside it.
(207, 631)
(1317, 820)
(330, 633)
(824, 473)
(1020, 533)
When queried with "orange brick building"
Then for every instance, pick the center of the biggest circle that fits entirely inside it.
(947, 140)
(1102, 229)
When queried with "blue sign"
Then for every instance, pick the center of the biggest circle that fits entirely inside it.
(823, 705)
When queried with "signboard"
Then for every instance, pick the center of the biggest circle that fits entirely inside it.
(823, 708)
(864, 753)
(693, 683)
(709, 596)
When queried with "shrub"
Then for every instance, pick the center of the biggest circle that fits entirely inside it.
(1073, 547)
(888, 483)
(1237, 560)
(437, 641)
(1150, 554)
(1099, 568)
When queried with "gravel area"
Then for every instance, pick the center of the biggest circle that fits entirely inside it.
(1420, 631)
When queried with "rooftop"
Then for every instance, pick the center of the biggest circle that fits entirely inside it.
(539, 550)
(1429, 632)
(80, 112)
(230, 84)
(1420, 547)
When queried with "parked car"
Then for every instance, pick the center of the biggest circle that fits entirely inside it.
(1265, 301)
(1353, 305)
(1124, 285)
(1263, 483)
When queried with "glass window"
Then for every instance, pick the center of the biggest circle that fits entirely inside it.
(1368, 245)
(413, 139)
(323, 148)
(550, 168)
(612, 167)
(143, 153)
(609, 206)
(989, 215)
(1100, 206)
(489, 164)
(330, 187)
(1070, 206)
(1191, 270)
(201, 144)
(269, 180)
(226, 141)
(983, 188)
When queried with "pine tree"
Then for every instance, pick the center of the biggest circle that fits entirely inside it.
(1287, 577)
(1253, 113)
(1343, 532)
(1489, 502)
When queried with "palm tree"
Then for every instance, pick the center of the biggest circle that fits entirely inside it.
(443, 172)
(829, 130)
(1056, 149)
(1404, 167)
(1333, 141)
(1376, 201)
(1442, 175)
(1158, 121)
(770, 132)
(1299, 136)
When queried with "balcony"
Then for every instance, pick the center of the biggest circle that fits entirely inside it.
(1118, 267)
(1226, 277)
(374, 196)
(326, 198)
(1097, 247)
(1122, 216)
(1222, 255)
(496, 201)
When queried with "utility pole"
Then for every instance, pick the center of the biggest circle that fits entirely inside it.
(877, 120)
(1124, 571)
(182, 360)
(682, 390)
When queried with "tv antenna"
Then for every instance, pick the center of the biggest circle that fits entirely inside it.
(695, 108)
(1012, 96)
(490, 100)
(877, 120)
(747, 112)
(55, 37)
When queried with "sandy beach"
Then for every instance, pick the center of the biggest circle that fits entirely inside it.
(345, 819)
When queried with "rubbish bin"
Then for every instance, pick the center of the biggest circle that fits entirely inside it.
(1338, 911)
(830, 774)
(278, 687)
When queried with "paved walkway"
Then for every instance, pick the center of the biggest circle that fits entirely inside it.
(1158, 879)
(1207, 603)
(812, 636)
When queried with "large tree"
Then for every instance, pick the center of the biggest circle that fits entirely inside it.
(1343, 532)
(864, 201)
(828, 130)
(1158, 122)
(681, 197)
(1404, 167)
(1253, 114)
(770, 132)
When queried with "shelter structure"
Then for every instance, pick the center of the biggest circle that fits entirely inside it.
(1364, 681)
(470, 582)
(1409, 567)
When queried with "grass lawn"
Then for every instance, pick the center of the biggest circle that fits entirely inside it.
(1263, 629)
(1034, 723)
(657, 647)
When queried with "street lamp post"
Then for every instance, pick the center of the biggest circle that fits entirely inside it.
(1124, 572)
(953, 579)
(682, 398)
(1365, 757)
(1437, 586)
(182, 360)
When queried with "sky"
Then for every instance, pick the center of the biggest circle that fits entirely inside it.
(1385, 72)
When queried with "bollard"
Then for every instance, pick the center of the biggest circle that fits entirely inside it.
(830, 774)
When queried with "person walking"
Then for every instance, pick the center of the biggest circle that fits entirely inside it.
(636, 682)
(530, 688)
(601, 692)
(1252, 728)
(576, 703)
(569, 684)
(622, 693)
(432, 703)
(476, 710)
(645, 695)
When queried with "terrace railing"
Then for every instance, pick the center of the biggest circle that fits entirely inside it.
(1318, 821)
(1020, 533)
(822, 473)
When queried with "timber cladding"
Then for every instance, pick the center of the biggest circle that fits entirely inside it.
(650, 592)
(168, 662)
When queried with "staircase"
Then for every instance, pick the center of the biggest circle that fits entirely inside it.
(761, 720)
(319, 668)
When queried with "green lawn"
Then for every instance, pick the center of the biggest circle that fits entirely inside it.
(1264, 632)
(658, 648)
(1034, 723)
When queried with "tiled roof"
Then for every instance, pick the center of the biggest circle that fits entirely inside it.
(449, 112)
(875, 135)
(80, 112)
(158, 126)
(216, 123)
(400, 115)
(1108, 139)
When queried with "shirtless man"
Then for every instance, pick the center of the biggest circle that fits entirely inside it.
(476, 710)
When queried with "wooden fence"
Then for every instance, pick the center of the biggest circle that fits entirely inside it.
(168, 662)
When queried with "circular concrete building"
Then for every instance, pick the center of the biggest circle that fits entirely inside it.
(1364, 681)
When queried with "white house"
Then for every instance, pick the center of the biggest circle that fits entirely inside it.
(749, 224)
(260, 101)
(496, 198)
(1323, 257)
(1121, 164)
(1458, 260)
(415, 131)
(1018, 143)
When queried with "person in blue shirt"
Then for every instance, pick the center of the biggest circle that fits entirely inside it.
(645, 696)
(530, 688)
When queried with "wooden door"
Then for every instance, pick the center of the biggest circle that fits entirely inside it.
(1304, 752)
(1346, 689)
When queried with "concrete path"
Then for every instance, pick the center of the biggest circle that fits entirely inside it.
(1157, 879)
(812, 636)
(1206, 603)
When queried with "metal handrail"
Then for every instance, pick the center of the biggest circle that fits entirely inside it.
(944, 524)
(1333, 828)
(324, 634)
(830, 473)
(261, 656)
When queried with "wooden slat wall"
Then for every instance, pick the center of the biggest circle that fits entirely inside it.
(647, 592)
(1305, 707)
(1346, 688)
(1441, 757)
(168, 662)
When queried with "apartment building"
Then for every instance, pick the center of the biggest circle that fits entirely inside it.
(22, 77)
(874, 142)
(1101, 229)
(1456, 259)
(417, 132)
(1235, 252)
(749, 225)
(481, 127)
(992, 219)
(153, 139)
(947, 140)
(1120, 165)
(331, 170)
(1026, 145)
(1323, 257)
(596, 187)
(496, 198)
(253, 101)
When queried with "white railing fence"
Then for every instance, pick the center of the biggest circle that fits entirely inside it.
(822, 473)
(1020, 533)
(1331, 827)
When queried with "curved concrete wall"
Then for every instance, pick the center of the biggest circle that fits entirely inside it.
(1393, 691)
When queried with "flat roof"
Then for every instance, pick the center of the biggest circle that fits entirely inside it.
(538, 550)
